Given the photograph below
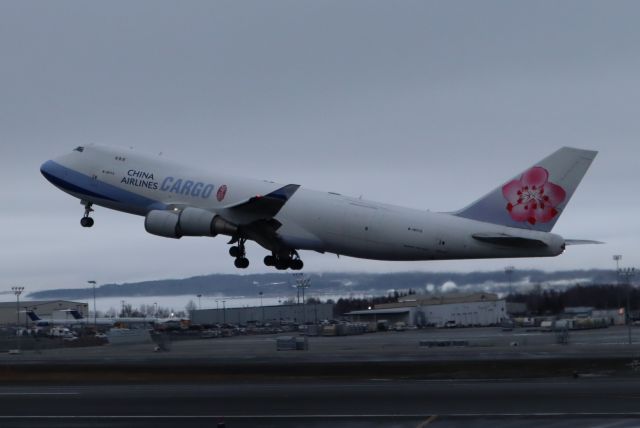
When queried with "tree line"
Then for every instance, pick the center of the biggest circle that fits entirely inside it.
(541, 301)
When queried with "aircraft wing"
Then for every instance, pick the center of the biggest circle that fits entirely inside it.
(509, 240)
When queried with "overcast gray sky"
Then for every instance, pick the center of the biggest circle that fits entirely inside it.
(417, 103)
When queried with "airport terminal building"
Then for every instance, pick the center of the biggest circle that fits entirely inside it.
(10, 313)
(476, 309)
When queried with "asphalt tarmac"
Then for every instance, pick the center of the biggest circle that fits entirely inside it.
(502, 379)
(586, 402)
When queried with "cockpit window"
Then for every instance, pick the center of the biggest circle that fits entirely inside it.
(79, 149)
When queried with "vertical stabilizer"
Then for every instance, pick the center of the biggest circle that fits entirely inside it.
(536, 198)
(33, 316)
(76, 314)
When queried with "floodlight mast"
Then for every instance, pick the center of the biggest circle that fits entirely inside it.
(627, 274)
(17, 291)
(95, 314)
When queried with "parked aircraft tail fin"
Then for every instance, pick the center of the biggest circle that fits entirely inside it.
(75, 314)
(33, 316)
(536, 198)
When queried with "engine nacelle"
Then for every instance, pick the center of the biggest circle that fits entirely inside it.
(188, 222)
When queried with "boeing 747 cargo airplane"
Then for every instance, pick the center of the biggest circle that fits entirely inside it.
(513, 220)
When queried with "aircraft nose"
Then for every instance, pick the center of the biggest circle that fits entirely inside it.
(51, 171)
(46, 169)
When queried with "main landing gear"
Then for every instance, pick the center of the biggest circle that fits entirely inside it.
(238, 251)
(279, 261)
(291, 261)
(86, 220)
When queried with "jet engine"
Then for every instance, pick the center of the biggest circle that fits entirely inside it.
(187, 222)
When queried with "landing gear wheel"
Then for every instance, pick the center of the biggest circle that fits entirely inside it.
(269, 261)
(235, 252)
(282, 264)
(296, 264)
(241, 263)
(86, 222)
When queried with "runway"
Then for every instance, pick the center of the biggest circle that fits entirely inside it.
(590, 402)
(379, 380)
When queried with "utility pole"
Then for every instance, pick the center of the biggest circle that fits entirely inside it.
(95, 315)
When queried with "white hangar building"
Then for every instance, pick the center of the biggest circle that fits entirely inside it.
(477, 309)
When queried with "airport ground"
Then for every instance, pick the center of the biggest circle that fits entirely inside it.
(506, 379)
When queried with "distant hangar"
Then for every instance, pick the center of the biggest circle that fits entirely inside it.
(476, 309)
(44, 308)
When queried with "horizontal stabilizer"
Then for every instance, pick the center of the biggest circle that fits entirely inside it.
(581, 242)
(508, 240)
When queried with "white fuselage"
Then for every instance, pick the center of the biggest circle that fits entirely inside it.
(311, 220)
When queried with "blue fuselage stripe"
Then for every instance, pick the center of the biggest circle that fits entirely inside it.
(77, 183)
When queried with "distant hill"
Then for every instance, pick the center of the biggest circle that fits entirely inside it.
(336, 283)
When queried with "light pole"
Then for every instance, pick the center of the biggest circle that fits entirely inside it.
(155, 310)
(199, 301)
(224, 312)
(509, 272)
(303, 283)
(628, 274)
(617, 258)
(261, 307)
(17, 291)
(95, 315)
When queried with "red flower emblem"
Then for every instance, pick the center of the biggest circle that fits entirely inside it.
(533, 198)
(222, 191)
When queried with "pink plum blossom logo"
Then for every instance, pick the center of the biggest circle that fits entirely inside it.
(222, 191)
(533, 198)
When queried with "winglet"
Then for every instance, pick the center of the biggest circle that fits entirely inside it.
(261, 206)
(284, 193)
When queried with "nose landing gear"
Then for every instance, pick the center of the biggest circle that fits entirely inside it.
(86, 220)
